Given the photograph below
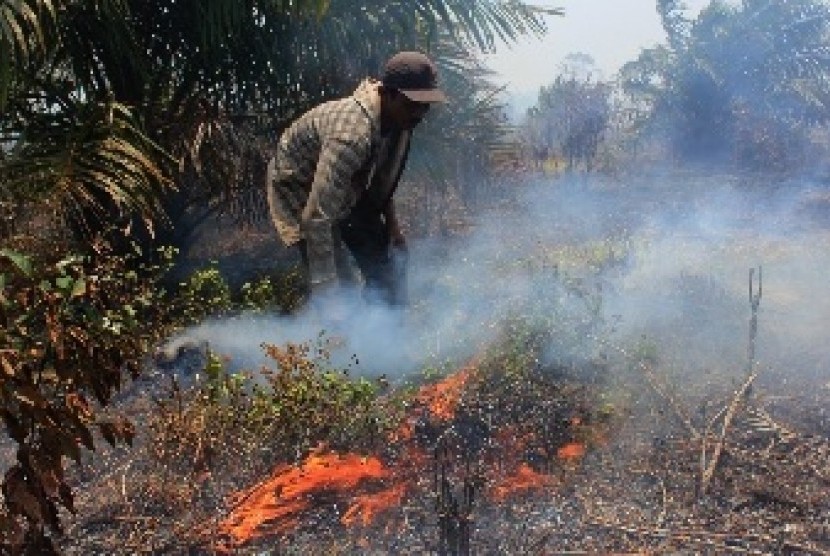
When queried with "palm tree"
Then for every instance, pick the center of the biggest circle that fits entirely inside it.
(743, 81)
(117, 107)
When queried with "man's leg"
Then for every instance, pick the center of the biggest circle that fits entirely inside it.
(367, 238)
(345, 272)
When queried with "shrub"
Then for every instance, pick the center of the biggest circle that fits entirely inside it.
(205, 293)
(69, 328)
(259, 295)
(274, 415)
(284, 292)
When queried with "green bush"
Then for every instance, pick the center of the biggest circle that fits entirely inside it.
(280, 412)
(205, 293)
(259, 295)
(69, 329)
(284, 292)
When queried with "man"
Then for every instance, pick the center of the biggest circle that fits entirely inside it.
(336, 169)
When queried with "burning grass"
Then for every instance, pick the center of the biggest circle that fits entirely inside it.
(508, 453)
(495, 429)
(457, 429)
(504, 454)
(279, 500)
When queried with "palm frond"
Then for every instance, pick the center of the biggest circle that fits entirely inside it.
(174, 66)
(483, 24)
(26, 30)
(85, 161)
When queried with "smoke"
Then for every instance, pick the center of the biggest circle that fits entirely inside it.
(609, 264)
(687, 286)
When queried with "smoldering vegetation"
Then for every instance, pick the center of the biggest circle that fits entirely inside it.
(611, 265)
(651, 269)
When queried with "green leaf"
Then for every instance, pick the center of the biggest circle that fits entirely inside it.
(63, 282)
(67, 261)
(79, 288)
(19, 260)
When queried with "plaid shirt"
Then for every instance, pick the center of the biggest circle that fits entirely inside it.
(325, 161)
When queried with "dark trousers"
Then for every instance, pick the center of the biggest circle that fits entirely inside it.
(366, 236)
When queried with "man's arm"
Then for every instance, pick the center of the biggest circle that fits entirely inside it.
(330, 199)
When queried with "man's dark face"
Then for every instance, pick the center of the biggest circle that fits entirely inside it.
(405, 113)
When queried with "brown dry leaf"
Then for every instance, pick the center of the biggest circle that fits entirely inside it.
(54, 328)
(78, 403)
(30, 396)
(7, 367)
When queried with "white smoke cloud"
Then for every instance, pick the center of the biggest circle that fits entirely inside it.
(683, 248)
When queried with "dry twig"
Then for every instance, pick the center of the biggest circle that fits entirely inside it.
(709, 467)
(669, 399)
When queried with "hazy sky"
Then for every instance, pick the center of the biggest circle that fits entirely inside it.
(611, 31)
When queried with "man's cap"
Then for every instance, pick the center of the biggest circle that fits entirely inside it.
(415, 75)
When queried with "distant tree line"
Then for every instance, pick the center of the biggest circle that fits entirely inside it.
(570, 118)
(746, 86)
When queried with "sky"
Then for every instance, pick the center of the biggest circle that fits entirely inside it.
(612, 32)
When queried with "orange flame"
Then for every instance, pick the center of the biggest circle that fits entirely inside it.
(571, 451)
(440, 401)
(441, 398)
(368, 506)
(525, 478)
(274, 505)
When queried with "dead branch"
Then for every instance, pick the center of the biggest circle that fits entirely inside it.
(708, 467)
(737, 399)
(679, 412)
